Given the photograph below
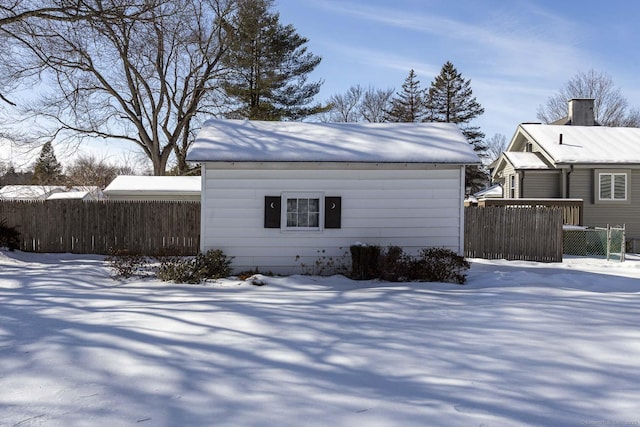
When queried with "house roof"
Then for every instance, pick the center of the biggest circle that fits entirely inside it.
(29, 192)
(154, 184)
(256, 141)
(493, 191)
(587, 144)
(77, 195)
(525, 160)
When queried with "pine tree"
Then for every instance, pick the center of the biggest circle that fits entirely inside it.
(269, 65)
(409, 104)
(47, 169)
(450, 100)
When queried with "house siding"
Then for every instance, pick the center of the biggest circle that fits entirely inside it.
(412, 208)
(581, 184)
(537, 184)
(511, 186)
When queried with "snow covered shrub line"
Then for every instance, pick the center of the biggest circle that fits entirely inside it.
(393, 265)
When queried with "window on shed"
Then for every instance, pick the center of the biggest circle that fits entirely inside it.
(613, 186)
(303, 211)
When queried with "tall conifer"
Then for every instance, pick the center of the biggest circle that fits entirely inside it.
(450, 99)
(47, 169)
(408, 105)
(268, 67)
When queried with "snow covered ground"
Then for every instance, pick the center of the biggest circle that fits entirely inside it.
(520, 344)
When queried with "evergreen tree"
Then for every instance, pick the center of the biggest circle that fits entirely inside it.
(409, 104)
(47, 169)
(269, 64)
(450, 100)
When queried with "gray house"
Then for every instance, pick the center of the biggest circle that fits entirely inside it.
(576, 158)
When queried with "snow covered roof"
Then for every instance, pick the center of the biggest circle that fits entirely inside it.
(256, 141)
(587, 144)
(525, 160)
(67, 195)
(29, 192)
(493, 191)
(154, 184)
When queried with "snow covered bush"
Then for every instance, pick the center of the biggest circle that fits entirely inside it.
(393, 265)
(126, 264)
(365, 260)
(441, 265)
(9, 236)
(325, 265)
(212, 265)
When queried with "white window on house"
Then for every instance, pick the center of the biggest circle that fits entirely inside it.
(512, 186)
(612, 186)
(303, 211)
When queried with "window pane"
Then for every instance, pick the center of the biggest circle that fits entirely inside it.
(314, 205)
(303, 213)
(303, 219)
(291, 220)
(619, 190)
(605, 186)
(314, 220)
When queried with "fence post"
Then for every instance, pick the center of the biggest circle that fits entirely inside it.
(608, 242)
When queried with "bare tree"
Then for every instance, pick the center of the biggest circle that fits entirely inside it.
(15, 11)
(610, 107)
(360, 105)
(141, 75)
(495, 146)
(344, 107)
(88, 170)
(375, 103)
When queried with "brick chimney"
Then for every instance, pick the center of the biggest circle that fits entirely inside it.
(581, 112)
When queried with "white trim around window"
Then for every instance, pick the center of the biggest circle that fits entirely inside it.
(612, 186)
(302, 211)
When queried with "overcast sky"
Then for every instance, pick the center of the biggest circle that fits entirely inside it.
(517, 54)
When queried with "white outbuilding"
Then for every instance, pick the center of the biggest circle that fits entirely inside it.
(282, 195)
(154, 188)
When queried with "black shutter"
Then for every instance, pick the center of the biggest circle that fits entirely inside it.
(272, 211)
(332, 212)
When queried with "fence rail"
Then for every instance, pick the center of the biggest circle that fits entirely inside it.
(523, 233)
(96, 227)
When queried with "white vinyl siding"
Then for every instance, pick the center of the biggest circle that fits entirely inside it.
(409, 207)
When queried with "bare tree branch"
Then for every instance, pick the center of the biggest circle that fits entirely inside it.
(610, 107)
(141, 76)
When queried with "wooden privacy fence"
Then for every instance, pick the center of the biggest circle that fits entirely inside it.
(514, 233)
(97, 227)
(572, 209)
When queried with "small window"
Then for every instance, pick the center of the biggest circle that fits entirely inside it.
(613, 186)
(512, 186)
(303, 211)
